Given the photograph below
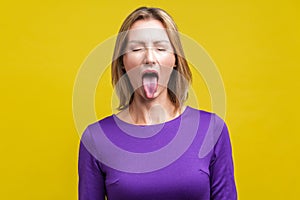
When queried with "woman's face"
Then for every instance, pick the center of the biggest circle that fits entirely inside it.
(149, 58)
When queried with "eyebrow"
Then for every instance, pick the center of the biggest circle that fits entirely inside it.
(155, 42)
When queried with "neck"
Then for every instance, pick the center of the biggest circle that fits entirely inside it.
(151, 113)
(154, 111)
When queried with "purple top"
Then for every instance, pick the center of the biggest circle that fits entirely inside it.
(187, 158)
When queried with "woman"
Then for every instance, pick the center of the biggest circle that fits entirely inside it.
(151, 77)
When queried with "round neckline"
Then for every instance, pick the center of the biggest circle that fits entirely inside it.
(147, 131)
(150, 125)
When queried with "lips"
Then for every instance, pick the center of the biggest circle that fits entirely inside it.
(150, 82)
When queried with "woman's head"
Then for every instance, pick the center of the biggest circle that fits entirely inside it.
(133, 48)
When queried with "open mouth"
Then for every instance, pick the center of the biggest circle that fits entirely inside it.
(150, 83)
(150, 74)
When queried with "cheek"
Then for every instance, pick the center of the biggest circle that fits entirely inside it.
(167, 64)
(131, 64)
(126, 62)
(167, 60)
(131, 61)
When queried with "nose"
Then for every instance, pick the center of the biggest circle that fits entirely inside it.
(150, 56)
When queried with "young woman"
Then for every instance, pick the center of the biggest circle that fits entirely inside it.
(155, 147)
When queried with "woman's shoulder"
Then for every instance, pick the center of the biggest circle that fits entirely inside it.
(211, 121)
(203, 113)
(108, 120)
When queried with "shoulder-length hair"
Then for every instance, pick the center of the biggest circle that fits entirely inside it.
(181, 76)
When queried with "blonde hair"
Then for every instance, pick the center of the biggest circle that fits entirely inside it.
(181, 76)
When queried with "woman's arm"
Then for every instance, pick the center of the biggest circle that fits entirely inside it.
(91, 179)
(221, 167)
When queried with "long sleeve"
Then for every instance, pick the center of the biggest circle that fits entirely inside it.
(221, 167)
(91, 179)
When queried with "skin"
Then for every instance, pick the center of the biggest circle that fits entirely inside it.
(149, 49)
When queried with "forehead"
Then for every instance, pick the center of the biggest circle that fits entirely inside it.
(148, 31)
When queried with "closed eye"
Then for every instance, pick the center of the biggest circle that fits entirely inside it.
(161, 49)
(136, 49)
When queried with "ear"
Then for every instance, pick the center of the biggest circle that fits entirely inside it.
(122, 64)
(121, 61)
(176, 61)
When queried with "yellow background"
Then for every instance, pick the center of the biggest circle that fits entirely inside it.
(255, 44)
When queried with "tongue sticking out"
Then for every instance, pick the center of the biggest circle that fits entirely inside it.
(150, 85)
